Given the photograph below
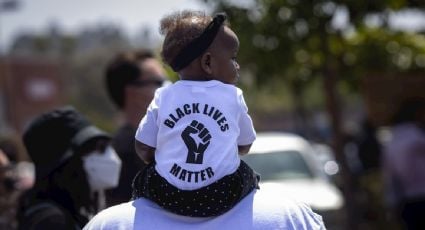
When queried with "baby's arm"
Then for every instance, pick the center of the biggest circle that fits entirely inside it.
(244, 149)
(247, 132)
(145, 152)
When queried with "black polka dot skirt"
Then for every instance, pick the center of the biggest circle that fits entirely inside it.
(212, 200)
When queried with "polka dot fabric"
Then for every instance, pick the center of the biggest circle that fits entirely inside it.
(212, 200)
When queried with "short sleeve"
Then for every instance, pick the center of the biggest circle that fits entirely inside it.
(247, 131)
(148, 127)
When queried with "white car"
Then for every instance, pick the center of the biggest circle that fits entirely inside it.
(289, 162)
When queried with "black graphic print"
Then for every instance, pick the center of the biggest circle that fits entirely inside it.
(196, 148)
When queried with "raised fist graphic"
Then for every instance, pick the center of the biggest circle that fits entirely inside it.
(197, 138)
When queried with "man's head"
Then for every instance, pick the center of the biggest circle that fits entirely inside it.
(131, 69)
(131, 80)
(198, 45)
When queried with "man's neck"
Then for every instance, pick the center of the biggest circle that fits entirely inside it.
(133, 117)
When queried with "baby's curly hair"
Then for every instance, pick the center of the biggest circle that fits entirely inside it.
(179, 29)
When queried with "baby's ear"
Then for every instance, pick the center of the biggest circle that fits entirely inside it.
(206, 62)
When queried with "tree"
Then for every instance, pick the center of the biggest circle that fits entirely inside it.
(297, 41)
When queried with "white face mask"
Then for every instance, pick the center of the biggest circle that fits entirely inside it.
(103, 169)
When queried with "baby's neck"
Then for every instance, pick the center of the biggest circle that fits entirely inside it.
(195, 78)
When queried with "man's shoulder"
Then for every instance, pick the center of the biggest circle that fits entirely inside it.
(120, 216)
(275, 207)
(44, 213)
(263, 209)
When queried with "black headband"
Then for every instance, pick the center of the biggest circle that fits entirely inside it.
(198, 45)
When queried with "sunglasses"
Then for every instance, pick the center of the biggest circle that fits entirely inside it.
(155, 82)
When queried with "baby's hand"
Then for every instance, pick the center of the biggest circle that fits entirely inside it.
(196, 151)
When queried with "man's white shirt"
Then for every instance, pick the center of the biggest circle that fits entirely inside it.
(267, 208)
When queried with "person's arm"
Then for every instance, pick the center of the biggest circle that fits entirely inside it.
(247, 132)
(244, 149)
(145, 152)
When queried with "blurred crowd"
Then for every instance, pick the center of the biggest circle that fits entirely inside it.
(386, 167)
(16, 176)
(66, 168)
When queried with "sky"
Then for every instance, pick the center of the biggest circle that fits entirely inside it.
(130, 15)
(71, 15)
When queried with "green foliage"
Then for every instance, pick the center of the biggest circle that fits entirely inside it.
(392, 51)
(292, 42)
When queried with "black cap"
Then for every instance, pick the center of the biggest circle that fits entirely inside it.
(50, 135)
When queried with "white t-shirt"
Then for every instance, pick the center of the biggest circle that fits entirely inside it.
(196, 127)
(267, 208)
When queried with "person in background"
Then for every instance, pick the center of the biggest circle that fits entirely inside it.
(7, 194)
(364, 153)
(131, 80)
(74, 162)
(369, 147)
(404, 165)
(16, 176)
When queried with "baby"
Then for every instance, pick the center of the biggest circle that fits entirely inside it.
(195, 129)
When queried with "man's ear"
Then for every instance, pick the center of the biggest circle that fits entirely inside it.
(206, 62)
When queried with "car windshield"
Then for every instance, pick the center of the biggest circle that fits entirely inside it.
(279, 165)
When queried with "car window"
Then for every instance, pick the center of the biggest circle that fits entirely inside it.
(279, 165)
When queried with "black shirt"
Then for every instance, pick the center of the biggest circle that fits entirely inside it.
(123, 142)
